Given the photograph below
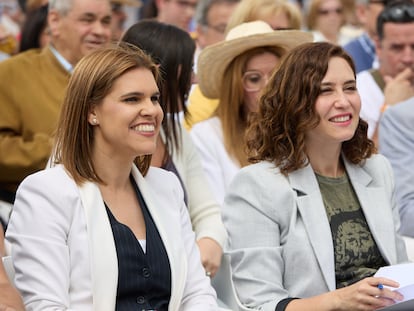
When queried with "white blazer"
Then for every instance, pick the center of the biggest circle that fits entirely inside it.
(64, 252)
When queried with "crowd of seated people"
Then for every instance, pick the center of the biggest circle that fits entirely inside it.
(164, 134)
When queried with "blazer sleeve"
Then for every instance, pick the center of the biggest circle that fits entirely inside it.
(38, 231)
(205, 212)
(397, 144)
(256, 223)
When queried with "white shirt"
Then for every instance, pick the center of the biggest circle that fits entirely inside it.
(220, 168)
(372, 98)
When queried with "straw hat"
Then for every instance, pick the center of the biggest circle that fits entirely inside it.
(135, 3)
(214, 59)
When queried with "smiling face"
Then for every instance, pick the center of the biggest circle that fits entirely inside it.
(338, 106)
(85, 28)
(128, 120)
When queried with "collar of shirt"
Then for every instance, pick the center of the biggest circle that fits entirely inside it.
(68, 66)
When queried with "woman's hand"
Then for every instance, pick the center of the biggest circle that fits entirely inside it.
(9, 297)
(366, 296)
(210, 252)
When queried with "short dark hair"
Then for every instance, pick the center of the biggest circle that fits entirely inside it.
(400, 12)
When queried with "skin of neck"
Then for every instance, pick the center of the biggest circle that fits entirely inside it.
(325, 160)
(113, 171)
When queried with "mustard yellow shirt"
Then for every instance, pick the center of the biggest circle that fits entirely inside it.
(200, 108)
(32, 88)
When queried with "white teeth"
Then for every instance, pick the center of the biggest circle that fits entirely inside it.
(144, 128)
(341, 119)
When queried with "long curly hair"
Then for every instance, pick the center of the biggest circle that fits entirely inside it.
(287, 111)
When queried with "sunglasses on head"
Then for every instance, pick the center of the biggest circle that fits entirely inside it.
(398, 13)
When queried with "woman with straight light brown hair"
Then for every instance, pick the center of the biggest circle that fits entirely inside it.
(101, 230)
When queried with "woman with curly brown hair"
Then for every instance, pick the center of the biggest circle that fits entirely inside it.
(316, 194)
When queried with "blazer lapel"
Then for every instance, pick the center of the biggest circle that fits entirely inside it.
(160, 212)
(311, 207)
(104, 261)
(373, 199)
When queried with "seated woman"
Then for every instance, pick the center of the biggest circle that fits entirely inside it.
(314, 217)
(102, 230)
(172, 49)
(235, 71)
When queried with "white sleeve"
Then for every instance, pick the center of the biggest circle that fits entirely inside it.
(38, 232)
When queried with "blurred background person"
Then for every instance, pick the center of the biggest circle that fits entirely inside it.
(396, 142)
(235, 71)
(172, 49)
(179, 13)
(325, 19)
(211, 19)
(35, 32)
(362, 48)
(395, 52)
(30, 101)
(279, 14)
(119, 16)
(11, 19)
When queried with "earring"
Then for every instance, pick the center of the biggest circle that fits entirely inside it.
(94, 121)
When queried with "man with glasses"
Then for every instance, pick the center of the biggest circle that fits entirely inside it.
(211, 18)
(392, 82)
(362, 48)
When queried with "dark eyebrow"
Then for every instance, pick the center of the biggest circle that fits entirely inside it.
(353, 81)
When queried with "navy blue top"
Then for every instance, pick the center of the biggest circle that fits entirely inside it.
(362, 51)
(144, 279)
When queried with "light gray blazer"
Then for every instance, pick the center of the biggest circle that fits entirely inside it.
(280, 239)
(396, 142)
(64, 253)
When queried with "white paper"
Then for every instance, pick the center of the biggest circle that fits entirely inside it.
(404, 275)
